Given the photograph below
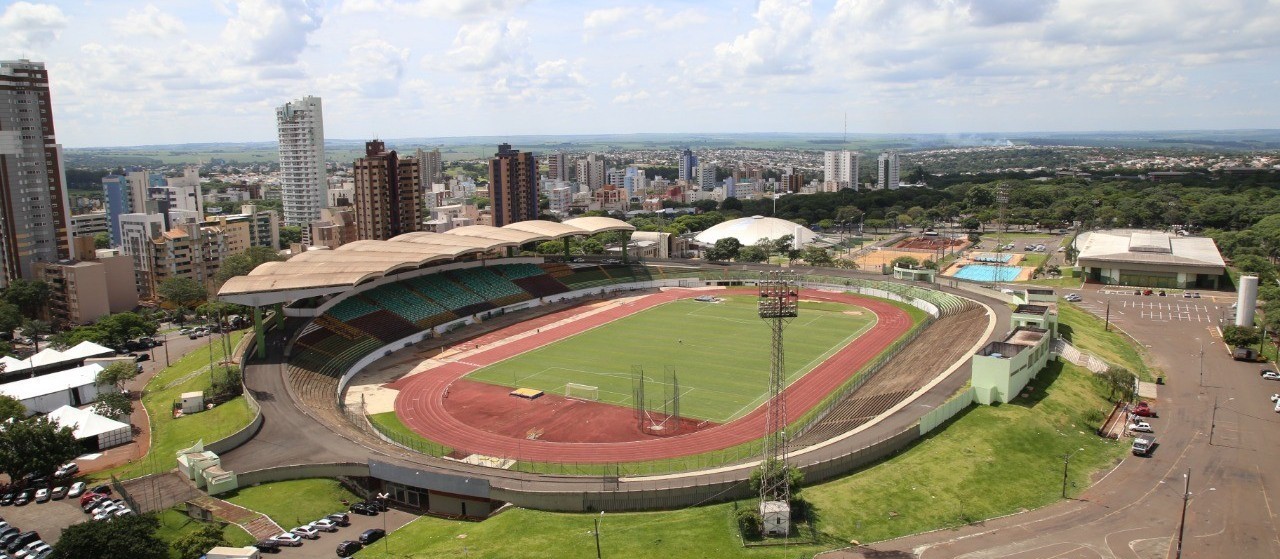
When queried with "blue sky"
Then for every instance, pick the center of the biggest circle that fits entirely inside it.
(178, 71)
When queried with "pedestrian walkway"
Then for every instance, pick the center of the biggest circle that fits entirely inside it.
(258, 525)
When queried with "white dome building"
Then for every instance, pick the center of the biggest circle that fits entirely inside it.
(749, 230)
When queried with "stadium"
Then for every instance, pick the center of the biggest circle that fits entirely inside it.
(476, 377)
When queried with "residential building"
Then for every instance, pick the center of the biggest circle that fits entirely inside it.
(34, 215)
(262, 226)
(687, 163)
(182, 193)
(82, 291)
(591, 172)
(90, 224)
(115, 190)
(136, 232)
(513, 186)
(336, 227)
(388, 193)
(887, 171)
(344, 196)
(617, 177)
(557, 168)
(432, 166)
(793, 182)
(707, 176)
(839, 170)
(303, 186)
(609, 198)
(561, 197)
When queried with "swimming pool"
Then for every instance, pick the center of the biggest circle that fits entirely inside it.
(992, 257)
(983, 272)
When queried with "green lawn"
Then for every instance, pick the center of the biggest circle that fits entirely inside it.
(1033, 259)
(296, 502)
(989, 461)
(722, 375)
(174, 525)
(169, 434)
(1086, 332)
(390, 425)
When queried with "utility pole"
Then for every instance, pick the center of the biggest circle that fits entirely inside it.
(597, 520)
(1202, 365)
(1107, 327)
(1186, 496)
(1066, 460)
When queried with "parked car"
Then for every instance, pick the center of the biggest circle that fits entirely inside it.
(306, 532)
(340, 518)
(22, 540)
(364, 508)
(1072, 297)
(348, 548)
(1144, 409)
(324, 525)
(142, 357)
(291, 540)
(7, 498)
(67, 470)
(42, 495)
(22, 498)
(58, 493)
(102, 489)
(1244, 354)
(1143, 444)
(1141, 426)
(76, 490)
(372, 535)
(87, 498)
(268, 546)
(8, 537)
(1271, 375)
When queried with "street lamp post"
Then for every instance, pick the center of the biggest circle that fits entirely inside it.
(1066, 461)
(1201, 361)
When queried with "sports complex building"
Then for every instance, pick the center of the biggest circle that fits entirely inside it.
(470, 376)
(1149, 259)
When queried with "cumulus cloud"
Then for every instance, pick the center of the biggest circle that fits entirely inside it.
(272, 31)
(779, 44)
(629, 22)
(26, 25)
(149, 21)
(433, 8)
(377, 67)
(487, 45)
(623, 81)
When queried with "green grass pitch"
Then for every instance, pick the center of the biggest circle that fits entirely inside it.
(720, 352)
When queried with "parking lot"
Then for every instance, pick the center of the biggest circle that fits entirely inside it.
(1124, 305)
(48, 518)
(327, 545)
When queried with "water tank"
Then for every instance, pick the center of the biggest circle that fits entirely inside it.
(1246, 300)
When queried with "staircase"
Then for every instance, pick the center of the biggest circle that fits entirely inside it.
(255, 523)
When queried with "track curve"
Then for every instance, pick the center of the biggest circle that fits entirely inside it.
(420, 401)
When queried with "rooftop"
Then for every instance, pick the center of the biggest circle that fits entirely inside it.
(1031, 309)
(1148, 247)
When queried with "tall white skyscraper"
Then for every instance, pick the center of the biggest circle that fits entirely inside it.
(887, 168)
(840, 170)
(303, 187)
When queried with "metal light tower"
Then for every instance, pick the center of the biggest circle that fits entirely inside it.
(778, 304)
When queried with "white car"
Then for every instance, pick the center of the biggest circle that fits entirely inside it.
(1141, 426)
(42, 495)
(124, 511)
(1072, 297)
(306, 532)
(1275, 398)
(1271, 375)
(76, 489)
(288, 539)
(324, 525)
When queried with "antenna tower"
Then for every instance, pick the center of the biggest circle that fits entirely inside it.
(1002, 197)
(778, 304)
(846, 127)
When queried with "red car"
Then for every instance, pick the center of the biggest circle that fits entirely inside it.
(1144, 409)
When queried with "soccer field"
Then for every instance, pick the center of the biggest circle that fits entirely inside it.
(720, 352)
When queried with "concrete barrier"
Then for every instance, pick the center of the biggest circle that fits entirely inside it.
(302, 471)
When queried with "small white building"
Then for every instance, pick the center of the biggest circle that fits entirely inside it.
(775, 517)
(43, 394)
(246, 552)
(92, 430)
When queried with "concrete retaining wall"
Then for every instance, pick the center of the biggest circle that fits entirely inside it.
(302, 471)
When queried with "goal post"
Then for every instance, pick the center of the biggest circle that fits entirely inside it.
(581, 391)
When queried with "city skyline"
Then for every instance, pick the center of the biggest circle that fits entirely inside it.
(192, 72)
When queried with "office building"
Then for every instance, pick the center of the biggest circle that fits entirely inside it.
(707, 176)
(388, 193)
(687, 163)
(839, 170)
(432, 166)
(303, 186)
(513, 184)
(34, 215)
(887, 169)
(557, 167)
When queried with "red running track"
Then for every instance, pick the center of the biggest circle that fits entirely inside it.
(420, 402)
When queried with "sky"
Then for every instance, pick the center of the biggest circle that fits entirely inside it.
(127, 72)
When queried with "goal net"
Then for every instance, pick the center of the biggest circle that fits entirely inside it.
(581, 391)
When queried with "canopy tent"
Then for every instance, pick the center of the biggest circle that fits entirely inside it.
(92, 430)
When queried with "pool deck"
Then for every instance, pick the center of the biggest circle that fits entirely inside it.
(1024, 273)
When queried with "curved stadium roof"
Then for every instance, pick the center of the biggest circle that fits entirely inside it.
(317, 272)
(750, 230)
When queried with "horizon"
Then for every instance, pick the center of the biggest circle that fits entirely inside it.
(131, 73)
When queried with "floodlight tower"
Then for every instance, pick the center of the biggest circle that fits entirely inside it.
(1002, 197)
(778, 304)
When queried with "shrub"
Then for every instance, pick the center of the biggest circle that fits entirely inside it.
(749, 523)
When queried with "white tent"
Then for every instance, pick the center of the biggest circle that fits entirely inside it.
(43, 394)
(96, 432)
(52, 358)
(750, 230)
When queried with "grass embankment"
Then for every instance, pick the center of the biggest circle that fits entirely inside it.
(1087, 332)
(296, 502)
(169, 434)
(174, 525)
(989, 461)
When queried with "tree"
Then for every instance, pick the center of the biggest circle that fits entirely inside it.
(29, 296)
(117, 329)
(970, 223)
(10, 317)
(704, 206)
(783, 244)
(132, 536)
(36, 446)
(731, 204)
(113, 404)
(1120, 382)
(182, 292)
(11, 408)
(905, 262)
(34, 329)
(1240, 336)
(752, 254)
(117, 374)
(817, 256)
(102, 240)
(193, 545)
(289, 235)
(724, 250)
(243, 263)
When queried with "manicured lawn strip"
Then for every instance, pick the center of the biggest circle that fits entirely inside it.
(702, 532)
(1033, 259)
(1064, 282)
(296, 502)
(390, 425)
(989, 461)
(169, 434)
(719, 351)
(1086, 332)
(174, 525)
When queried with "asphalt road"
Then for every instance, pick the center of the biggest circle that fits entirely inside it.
(1221, 430)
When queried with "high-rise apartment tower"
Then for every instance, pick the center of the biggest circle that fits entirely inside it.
(513, 186)
(840, 170)
(388, 193)
(303, 187)
(887, 166)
